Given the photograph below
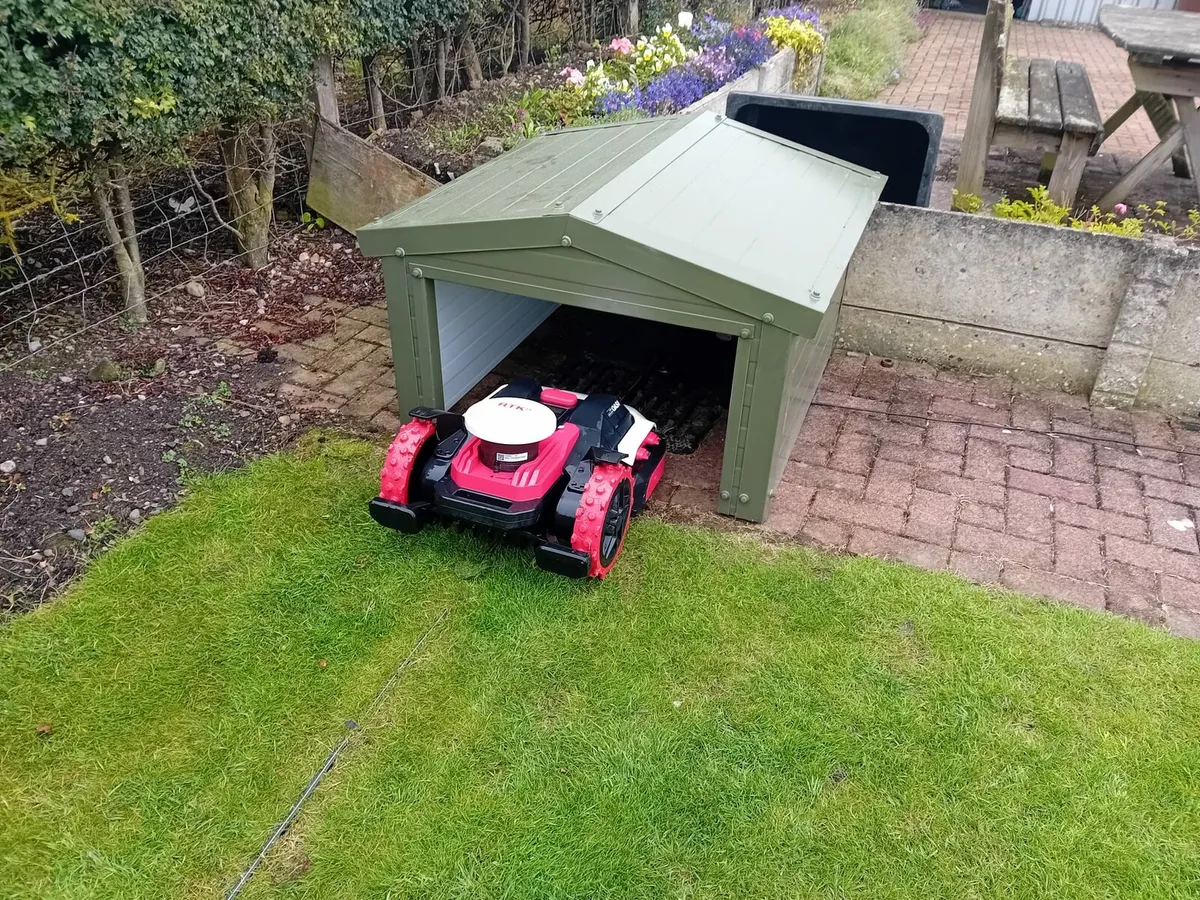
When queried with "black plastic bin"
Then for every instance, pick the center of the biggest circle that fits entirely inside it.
(901, 143)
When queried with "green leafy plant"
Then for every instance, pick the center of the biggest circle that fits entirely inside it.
(963, 202)
(866, 47)
(311, 223)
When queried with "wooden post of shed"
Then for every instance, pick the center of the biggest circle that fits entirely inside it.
(696, 221)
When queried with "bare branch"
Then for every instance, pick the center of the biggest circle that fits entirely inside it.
(212, 203)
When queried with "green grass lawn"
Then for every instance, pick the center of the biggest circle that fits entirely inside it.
(716, 719)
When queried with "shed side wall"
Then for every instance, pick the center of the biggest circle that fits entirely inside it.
(806, 362)
(477, 328)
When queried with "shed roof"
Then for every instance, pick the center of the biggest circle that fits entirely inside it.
(742, 218)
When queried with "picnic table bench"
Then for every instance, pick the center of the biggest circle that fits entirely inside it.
(1030, 104)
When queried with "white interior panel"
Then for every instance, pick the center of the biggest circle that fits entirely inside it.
(477, 328)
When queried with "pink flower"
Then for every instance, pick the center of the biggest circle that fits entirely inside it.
(1120, 209)
(573, 76)
(621, 45)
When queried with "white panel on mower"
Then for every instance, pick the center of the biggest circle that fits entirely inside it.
(510, 421)
(628, 445)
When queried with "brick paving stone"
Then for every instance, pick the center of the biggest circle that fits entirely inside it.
(1031, 414)
(828, 479)
(1156, 559)
(322, 342)
(372, 315)
(868, 542)
(974, 567)
(309, 378)
(381, 356)
(1032, 460)
(1120, 491)
(1051, 486)
(297, 353)
(1002, 546)
(828, 535)
(387, 420)
(1191, 469)
(821, 425)
(1074, 459)
(352, 382)
(848, 401)
(1101, 519)
(967, 411)
(1030, 516)
(986, 460)
(1132, 461)
(854, 453)
(947, 437)
(1172, 525)
(368, 402)
(848, 511)
(1182, 622)
(963, 488)
(1055, 587)
(1013, 437)
(1169, 490)
(345, 357)
(875, 386)
(346, 328)
(1180, 593)
(1077, 552)
(890, 483)
(374, 334)
(931, 517)
(1133, 592)
(982, 515)
(789, 508)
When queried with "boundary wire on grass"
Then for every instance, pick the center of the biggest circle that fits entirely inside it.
(353, 727)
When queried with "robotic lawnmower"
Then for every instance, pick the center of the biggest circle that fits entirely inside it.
(566, 471)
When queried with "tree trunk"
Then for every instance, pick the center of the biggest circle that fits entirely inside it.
(250, 153)
(440, 69)
(110, 187)
(374, 94)
(631, 18)
(416, 65)
(471, 61)
(326, 89)
(523, 37)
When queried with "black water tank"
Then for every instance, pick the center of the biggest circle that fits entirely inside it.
(901, 143)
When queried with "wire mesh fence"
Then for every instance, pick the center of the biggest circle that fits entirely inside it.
(57, 276)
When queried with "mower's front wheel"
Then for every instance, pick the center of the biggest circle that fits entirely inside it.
(602, 519)
(404, 461)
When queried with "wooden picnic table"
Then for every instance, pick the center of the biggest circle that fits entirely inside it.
(1164, 59)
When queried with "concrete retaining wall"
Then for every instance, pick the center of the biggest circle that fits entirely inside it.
(1088, 313)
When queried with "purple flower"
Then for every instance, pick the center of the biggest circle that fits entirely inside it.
(708, 29)
(615, 101)
(713, 65)
(747, 47)
(676, 90)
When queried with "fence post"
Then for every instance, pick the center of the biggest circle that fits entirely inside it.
(326, 89)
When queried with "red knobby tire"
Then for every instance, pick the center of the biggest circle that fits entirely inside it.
(602, 519)
(396, 478)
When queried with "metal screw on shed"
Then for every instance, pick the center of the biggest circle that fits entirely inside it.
(724, 495)
(768, 318)
(816, 295)
(417, 273)
(745, 332)
(566, 241)
(597, 213)
(743, 498)
(399, 251)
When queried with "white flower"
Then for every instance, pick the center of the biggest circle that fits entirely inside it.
(591, 64)
(666, 29)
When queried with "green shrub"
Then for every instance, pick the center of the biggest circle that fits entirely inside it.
(866, 48)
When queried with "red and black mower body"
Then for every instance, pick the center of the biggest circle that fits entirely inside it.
(570, 493)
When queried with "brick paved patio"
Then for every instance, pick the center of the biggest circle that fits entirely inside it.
(937, 469)
(940, 70)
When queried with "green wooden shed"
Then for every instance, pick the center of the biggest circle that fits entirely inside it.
(696, 221)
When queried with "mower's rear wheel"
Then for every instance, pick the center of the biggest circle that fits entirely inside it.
(602, 519)
(405, 458)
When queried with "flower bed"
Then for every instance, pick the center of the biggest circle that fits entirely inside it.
(670, 70)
